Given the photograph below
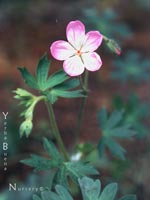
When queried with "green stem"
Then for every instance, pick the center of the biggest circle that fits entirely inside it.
(84, 86)
(106, 38)
(56, 130)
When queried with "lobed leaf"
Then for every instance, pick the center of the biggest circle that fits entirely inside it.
(40, 163)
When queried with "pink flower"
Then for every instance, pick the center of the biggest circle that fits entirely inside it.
(78, 53)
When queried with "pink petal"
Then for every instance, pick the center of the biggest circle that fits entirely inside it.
(93, 40)
(92, 61)
(75, 33)
(61, 50)
(73, 66)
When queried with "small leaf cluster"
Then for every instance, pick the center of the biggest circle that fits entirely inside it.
(90, 189)
(52, 86)
(61, 168)
(112, 128)
(49, 87)
(132, 67)
(29, 101)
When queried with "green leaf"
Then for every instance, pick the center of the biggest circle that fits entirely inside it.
(63, 193)
(29, 79)
(128, 197)
(113, 127)
(101, 146)
(102, 116)
(114, 119)
(90, 189)
(69, 84)
(42, 72)
(61, 177)
(122, 132)
(40, 163)
(67, 94)
(109, 192)
(52, 150)
(48, 195)
(57, 78)
(115, 148)
(35, 197)
(79, 169)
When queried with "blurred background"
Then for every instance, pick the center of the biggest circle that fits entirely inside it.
(27, 28)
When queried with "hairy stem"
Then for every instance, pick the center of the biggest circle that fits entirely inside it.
(56, 130)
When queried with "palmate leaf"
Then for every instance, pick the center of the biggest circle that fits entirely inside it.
(40, 163)
(56, 85)
(90, 189)
(113, 127)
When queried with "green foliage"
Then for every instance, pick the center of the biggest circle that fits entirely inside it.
(53, 86)
(29, 101)
(90, 190)
(132, 115)
(28, 78)
(50, 88)
(40, 163)
(109, 192)
(56, 162)
(106, 22)
(79, 169)
(113, 127)
(35, 197)
(131, 67)
(42, 72)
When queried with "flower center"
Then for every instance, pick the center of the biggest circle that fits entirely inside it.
(79, 53)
